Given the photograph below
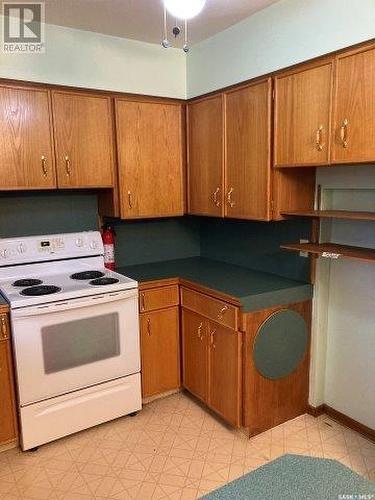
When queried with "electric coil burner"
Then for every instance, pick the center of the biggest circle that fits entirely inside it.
(34, 291)
(104, 281)
(27, 282)
(87, 275)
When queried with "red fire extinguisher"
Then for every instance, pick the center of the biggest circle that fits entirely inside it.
(108, 237)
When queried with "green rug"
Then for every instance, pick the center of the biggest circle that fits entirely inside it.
(294, 477)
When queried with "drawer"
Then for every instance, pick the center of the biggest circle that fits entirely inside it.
(158, 298)
(214, 309)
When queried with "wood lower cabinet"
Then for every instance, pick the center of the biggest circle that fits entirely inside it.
(206, 156)
(8, 415)
(26, 144)
(150, 142)
(160, 339)
(84, 144)
(212, 364)
(248, 151)
(354, 107)
(302, 115)
(276, 380)
(225, 373)
(195, 354)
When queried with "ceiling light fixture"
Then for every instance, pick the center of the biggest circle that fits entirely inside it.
(183, 10)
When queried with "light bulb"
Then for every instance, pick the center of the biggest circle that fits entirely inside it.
(184, 9)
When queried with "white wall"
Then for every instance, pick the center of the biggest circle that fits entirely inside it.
(286, 33)
(86, 59)
(344, 343)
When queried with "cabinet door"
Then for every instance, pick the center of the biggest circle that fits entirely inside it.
(302, 116)
(8, 421)
(225, 389)
(205, 159)
(26, 151)
(248, 137)
(160, 351)
(354, 108)
(149, 140)
(83, 139)
(195, 361)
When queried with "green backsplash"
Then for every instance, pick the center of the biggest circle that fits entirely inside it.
(139, 242)
(27, 214)
(256, 245)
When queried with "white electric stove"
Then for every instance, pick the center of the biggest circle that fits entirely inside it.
(75, 332)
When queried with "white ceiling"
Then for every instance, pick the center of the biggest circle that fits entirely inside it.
(142, 19)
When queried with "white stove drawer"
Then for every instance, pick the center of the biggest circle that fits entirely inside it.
(58, 417)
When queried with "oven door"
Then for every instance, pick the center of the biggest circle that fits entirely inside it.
(65, 346)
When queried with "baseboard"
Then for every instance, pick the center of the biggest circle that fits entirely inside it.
(150, 399)
(343, 419)
(315, 411)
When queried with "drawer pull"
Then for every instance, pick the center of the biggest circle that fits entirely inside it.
(68, 169)
(212, 339)
(344, 133)
(4, 329)
(231, 203)
(149, 327)
(143, 303)
(199, 332)
(222, 312)
(319, 138)
(215, 198)
(44, 166)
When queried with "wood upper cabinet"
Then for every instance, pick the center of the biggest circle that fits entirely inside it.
(354, 107)
(26, 145)
(248, 144)
(302, 115)
(8, 416)
(195, 354)
(160, 351)
(83, 140)
(225, 372)
(206, 156)
(151, 160)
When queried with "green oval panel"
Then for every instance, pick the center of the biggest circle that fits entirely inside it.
(280, 344)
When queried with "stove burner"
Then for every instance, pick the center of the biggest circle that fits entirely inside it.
(104, 281)
(27, 282)
(87, 275)
(40, 290)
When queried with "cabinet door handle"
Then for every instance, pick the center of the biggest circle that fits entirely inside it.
(231, 203)
(44, 166)
(222, 312)
(212, 339)
(319, 138)
(130, 203)
(344, 133)
(149, 327)
(4, 328)
(215, 198)
(199, 332)
(68, 169)
(143, 303)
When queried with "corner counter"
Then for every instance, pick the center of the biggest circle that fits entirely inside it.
(251, 290)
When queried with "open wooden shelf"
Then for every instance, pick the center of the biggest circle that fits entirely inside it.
(334, 214)
(333, 251)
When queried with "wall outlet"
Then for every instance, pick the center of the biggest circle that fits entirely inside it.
(304, 254)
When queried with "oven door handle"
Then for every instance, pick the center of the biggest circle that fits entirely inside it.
(66, 305)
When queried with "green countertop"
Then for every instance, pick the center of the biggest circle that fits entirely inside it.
(255, 290)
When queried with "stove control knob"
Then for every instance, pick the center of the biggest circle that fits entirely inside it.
(21, 248)
(4, 253)
(79, 242)
(94, 244)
